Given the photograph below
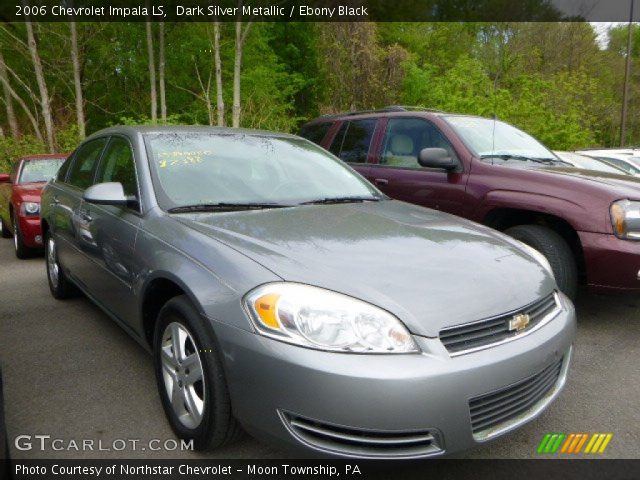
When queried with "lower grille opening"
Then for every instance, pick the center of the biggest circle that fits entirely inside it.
(495, 409)
(364, 443)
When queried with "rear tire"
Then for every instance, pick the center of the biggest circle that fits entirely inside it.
(5, 231)
(197, 406)
(60, 286)
(555, 249)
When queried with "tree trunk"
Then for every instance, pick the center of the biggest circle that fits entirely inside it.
(241, 36)
(152, 73)
(163, 100)
(8, 101)
(218, 68)
(45, 102)
(34, 123)
(75, 59)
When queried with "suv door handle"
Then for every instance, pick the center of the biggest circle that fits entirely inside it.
(381, 181)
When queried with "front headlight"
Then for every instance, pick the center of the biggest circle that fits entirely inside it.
(625, 218)
(30, 208)
(540, 258)
(317, 318)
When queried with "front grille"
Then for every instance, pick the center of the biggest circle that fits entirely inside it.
(363, 443)
(480, 334)
(495, 409)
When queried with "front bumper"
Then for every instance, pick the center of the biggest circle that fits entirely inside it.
(612, 264)
(274, 386)
(31, 230)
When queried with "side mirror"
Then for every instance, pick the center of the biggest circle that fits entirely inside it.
(108, 193)
(5, 178)
(437, 158)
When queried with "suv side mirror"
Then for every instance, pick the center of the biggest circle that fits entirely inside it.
(437, 158)
(108, 193)
(5, 178)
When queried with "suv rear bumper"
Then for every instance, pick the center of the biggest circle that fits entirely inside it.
(612, 264)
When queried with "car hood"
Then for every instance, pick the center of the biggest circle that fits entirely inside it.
(625, 185)
(430, 269)
(29, 192)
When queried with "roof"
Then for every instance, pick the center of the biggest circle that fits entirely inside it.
(150, 129)
(392, 111)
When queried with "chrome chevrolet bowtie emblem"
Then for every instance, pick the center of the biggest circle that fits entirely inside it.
(519, 322)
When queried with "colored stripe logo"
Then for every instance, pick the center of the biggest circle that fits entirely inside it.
(574, 443)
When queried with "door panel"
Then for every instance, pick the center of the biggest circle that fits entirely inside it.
(112, 233)
(399, 175)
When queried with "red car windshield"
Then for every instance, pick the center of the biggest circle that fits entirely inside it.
(41, 170)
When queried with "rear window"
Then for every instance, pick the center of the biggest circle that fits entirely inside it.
(315, 133)
(353, 140)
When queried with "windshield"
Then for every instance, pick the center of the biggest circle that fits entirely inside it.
(207, 169)
(488, 137)
(41, 170)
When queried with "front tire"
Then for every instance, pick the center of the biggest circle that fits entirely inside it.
(190, 377)
(555, 249)
(60, 286)
(22, 251)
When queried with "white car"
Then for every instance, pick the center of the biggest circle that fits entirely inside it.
(589, 163)
(629, 162)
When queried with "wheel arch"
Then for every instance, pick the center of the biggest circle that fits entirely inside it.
(503, 218)
(156, 292)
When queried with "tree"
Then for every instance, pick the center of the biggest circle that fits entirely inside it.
(163, 100)
(77, 80)
(45, 102)
(241, 38)
(218, 69)
(8, 100)
(152, 72)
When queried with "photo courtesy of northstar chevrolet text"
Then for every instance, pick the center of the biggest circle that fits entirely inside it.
(311, 239)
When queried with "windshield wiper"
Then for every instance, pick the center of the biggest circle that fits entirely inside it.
(223, 206)
(330, 200)
(508, 156)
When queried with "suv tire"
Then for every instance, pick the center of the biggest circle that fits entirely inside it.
(555, 249)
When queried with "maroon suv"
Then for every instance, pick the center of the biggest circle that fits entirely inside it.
(586, 223)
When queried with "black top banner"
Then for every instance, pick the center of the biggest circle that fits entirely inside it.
(317, 10)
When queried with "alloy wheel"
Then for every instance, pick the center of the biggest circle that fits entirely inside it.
(182, 374)
(52, 263)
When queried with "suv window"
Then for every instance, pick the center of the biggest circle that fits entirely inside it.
(83, 168)
(117, 165)
(353, 140)
(14, 171)
(315, 133)
(404, 139)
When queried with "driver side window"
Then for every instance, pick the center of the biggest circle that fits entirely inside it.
(406, 137)
(118, 165)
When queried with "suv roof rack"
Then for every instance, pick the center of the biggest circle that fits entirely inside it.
(390, 108)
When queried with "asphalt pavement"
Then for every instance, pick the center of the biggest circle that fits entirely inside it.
(72, 374)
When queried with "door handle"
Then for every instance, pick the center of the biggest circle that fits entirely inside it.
(381, 181)
(85, 215)
(55, 200)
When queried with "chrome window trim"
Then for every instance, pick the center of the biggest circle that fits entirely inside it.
(546, 319)
(532, 412)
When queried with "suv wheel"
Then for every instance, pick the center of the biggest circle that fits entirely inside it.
(555, 249)
(5, 231)
(191, 379)
(59, 285)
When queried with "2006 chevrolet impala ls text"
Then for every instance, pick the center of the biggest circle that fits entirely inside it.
(280, 291)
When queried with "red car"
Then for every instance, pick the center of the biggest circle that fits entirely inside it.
(586, 223)
(20, 193)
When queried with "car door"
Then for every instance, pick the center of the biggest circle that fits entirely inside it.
(113, 230)
(398, 173)
(352, 143)
(70, 226)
